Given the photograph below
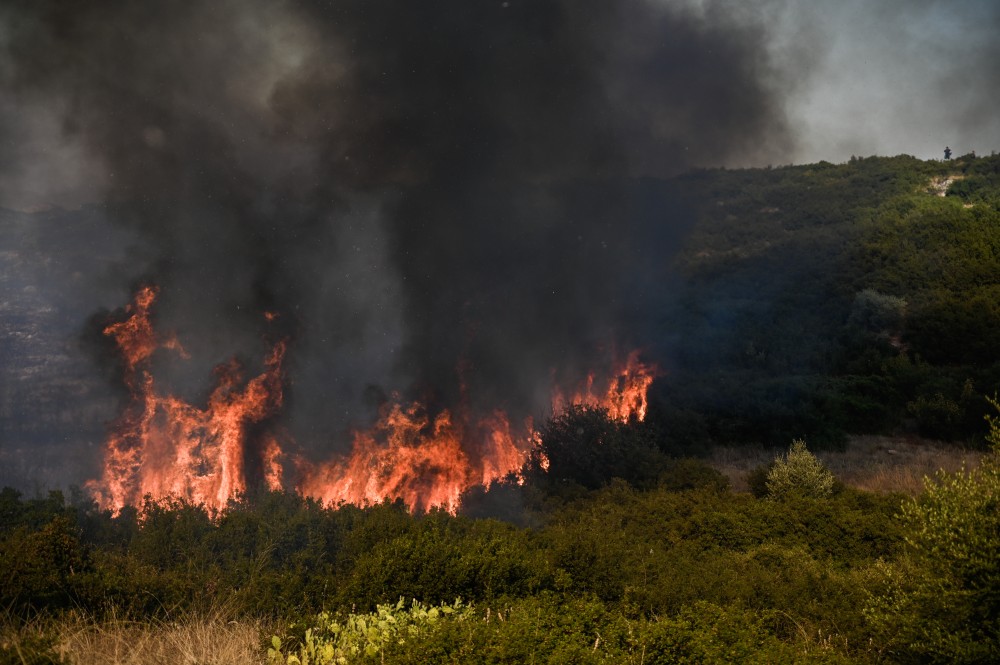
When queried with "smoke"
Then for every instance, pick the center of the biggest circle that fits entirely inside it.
(442, 198)
(892, 77)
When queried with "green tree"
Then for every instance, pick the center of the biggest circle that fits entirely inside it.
(876, 312)
(799, 473)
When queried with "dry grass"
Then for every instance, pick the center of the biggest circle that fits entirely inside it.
(871, 463)
(212, 639)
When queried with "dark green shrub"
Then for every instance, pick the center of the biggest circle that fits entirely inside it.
(689, 474)
(584, 446)
(757, 479)
(42, 569)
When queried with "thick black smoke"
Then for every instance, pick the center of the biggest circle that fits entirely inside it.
(431, 194)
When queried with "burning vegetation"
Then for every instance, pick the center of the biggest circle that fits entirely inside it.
(162, 446)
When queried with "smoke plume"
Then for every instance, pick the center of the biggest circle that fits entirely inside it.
(447, 198)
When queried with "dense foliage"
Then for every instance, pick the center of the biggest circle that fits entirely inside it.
(827, 299)
(941, 601)
(614, 573)
(672, 569)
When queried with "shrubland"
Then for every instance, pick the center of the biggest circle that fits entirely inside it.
(604, 567)
(827, 300)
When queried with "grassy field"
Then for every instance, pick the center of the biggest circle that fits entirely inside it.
(882, 464)
(214, 638)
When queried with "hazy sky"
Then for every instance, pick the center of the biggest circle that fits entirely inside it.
(893, 76)
(853, 77)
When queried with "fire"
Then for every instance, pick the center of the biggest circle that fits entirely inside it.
(425, 462)
(273, 469)
(161, 446)
(625, 396)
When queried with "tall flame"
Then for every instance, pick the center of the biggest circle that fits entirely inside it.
(625, 396)
(162, 446)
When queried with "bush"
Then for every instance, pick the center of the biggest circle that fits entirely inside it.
(42, 569)
(942, 603)
(708, 633)
(757, 479)
(584, 446)
(692, 474)
(361, 636)
(799, 472)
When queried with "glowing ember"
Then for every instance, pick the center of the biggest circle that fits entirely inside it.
(162, 446)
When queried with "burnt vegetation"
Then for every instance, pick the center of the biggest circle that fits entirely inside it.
(809, 302)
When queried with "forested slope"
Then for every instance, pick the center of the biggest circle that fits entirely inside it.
(823, 300)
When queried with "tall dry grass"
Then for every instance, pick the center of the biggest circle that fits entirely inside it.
(871, 463)
(214, 638)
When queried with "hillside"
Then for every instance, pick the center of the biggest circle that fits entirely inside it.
(825, 300)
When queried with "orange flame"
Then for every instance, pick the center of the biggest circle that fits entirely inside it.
(625, 396)
(425, 463)
(273, 469)
(162, 446)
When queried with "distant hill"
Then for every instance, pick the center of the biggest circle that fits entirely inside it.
(57, 268)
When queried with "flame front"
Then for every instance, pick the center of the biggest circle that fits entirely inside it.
(427, 464)
(162, 446)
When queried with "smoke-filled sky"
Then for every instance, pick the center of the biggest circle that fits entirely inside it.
(823, 80)
(445, 194)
